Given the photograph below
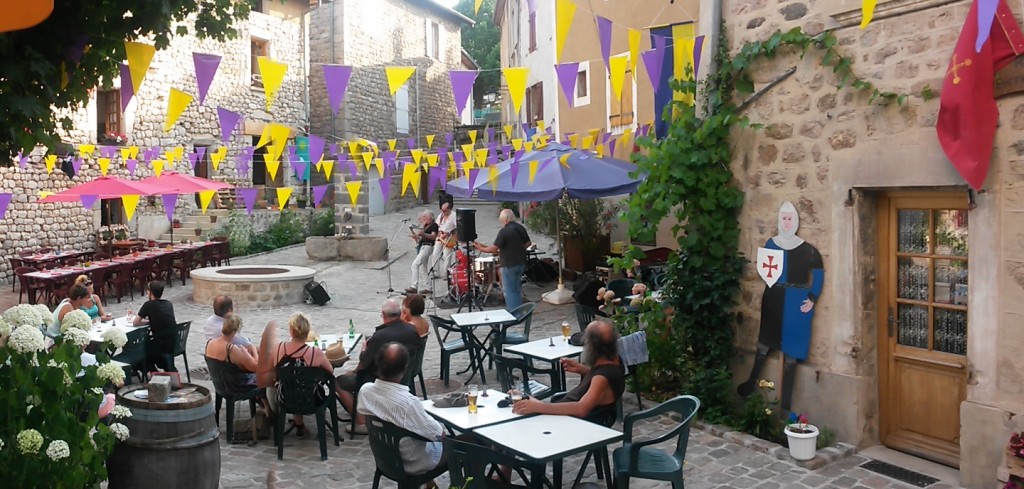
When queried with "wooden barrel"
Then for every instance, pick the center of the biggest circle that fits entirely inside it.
(171, 444)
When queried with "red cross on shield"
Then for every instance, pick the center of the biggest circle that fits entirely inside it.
(769, 265)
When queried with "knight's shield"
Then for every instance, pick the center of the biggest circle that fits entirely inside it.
(769, 265)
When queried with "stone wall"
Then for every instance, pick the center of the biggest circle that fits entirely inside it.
(32, 225)
(370, 36)
(831, 153)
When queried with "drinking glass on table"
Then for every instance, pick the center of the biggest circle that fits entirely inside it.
(515, 395)
(474, 391)
(565, 330)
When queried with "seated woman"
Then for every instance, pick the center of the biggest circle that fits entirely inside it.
(294, 352)
(221, 348)
(92, 306)
(412, 313)
(77, 296)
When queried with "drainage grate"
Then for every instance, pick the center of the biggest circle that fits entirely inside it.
(915, 479)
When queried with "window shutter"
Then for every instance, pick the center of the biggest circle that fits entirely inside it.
(428, 37)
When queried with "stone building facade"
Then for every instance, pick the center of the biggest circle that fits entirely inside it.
(370, 36)
(856, 172)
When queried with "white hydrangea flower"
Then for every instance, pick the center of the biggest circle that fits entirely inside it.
(97, 390)
(120, 431)
(121, 412)
(43, 312)
(23, 314)
(58, 449)
(30, 441)
(76, 336)
(116, 336)
(5, 328)
(111, 373)
(75, 319)
(26, 339)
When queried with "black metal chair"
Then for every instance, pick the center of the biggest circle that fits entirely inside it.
(639, 459)
(306, 391)
(133, 352)
(586, 315)
(227, 386)
(470, 462)
(524, 317)
(449, 347)
(622, 287)
(179, 346)
(515, 372)
(416, 369)
(384, 443)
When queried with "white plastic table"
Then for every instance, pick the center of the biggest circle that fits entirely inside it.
(549, 438)
(326, 340)
(487, 413)
(96, 333)
(543, 350)
(469, 321)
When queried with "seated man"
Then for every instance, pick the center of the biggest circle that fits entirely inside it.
(391, 401)
(224, 307)
(393, 330)
(158, 314)
(603, 379)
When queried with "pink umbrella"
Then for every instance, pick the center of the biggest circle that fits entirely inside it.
(102, 188)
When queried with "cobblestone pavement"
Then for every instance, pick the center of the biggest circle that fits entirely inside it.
(355, 289)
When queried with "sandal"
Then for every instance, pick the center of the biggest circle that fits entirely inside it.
(300, 431)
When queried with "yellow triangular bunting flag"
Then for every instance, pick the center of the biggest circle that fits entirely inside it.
(51, 161)
(130, 202)
(205, 197)
(472, 136)
(574, 140)
(467, 150)
(564, 160)
(353, 146)
(565, 11)
(528, 145)
(397, 76)
(466, 167)
(353, 191)
(104, 165)
(158, 167)
(272, 165)
(218, 156)
(634, 48)
(87, 149)
(139, 56)
(494, 179)
(417, 155)
(391, 144)
(476, 6)
(430, 141)
(432, 159)
(177, 102)
(588, 142)
(515, 78)
(328, 166)
(44, 194)
(272, 73)
(533, 171)
(617, 73)
(367, 159)
(126, 153)
(517, 144)
(481, 157)
(379, 163)
(283, 193)
(407, 177)
(508, 130)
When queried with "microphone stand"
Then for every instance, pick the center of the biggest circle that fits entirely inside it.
(387, 256)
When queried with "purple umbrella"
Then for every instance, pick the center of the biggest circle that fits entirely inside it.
(584, 176)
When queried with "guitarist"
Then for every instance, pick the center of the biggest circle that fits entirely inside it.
(424, 238)
(446, 240)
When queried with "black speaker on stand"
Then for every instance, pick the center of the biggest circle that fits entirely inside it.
(466, 232)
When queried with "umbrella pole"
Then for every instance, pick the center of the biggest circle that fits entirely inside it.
(560, 295)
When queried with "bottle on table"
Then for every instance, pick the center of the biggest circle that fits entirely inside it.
(351, 330)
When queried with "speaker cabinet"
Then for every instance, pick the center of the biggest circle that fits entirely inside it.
(466, 224)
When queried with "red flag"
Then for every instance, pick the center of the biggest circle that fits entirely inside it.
(967, 110)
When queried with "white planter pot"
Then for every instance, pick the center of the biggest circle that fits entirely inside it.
(802, 446)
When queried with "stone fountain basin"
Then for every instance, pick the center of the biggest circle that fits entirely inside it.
(252, 285)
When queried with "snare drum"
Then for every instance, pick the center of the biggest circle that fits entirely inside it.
(458, 280)
(484, 268)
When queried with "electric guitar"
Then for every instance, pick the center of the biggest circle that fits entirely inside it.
(450, 240)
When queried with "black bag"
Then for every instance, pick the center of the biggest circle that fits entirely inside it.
(585, 290)
(540, 271)
(316, 293)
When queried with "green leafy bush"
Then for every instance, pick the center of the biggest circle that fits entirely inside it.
(322, 223)
(760, 416)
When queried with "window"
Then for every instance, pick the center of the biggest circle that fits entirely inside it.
(433, 39)
(111, 212)
(259, 47)
(259, 165)
(535, 103)
(256, 5)
(583, 85)
(108, 113)
(402, 110)
(533, 32)
(621, 112)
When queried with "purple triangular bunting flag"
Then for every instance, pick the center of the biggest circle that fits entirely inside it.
(299, 167)
(353, 169)
(698, 45)
(248, 196)
(201, 151)
(531, 5)
(410, 143)
(170, 202)
(88, 201)
(206, 70)
(336, 79)
(653, 61)
(545, 163)
(490, 134)
(436, 180)
(5, 200)
(316, 149)
(604, 35)
(127, 89)
(77, 164)
(319, 191)
(473, 174)
(448, 137)
(333, 149)
(567, 73)
(462, 88)
(385, 186)
(192, 159)
(611, 146)
(228, 121)
(513, 171)
(131, 164)
(22, 161)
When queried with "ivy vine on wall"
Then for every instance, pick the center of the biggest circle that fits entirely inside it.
(689, 178)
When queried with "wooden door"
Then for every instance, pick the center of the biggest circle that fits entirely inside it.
(923, 323)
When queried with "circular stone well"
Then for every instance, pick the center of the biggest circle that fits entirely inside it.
(251, 285)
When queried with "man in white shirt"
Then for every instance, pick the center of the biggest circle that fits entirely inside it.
(223, 307)
(390, 400)
(441, 259)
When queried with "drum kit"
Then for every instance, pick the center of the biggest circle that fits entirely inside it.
(485, 276)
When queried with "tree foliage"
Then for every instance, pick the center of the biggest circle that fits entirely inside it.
(482, 42)
(31, 60)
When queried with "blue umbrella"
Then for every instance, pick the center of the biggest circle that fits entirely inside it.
(583, 175)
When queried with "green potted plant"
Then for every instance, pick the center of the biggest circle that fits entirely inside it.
(803, 437)
(584, 227)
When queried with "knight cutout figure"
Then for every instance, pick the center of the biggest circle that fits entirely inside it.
(794, 274)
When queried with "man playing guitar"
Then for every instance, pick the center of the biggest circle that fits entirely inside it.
(446, 238)
(424, 238)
